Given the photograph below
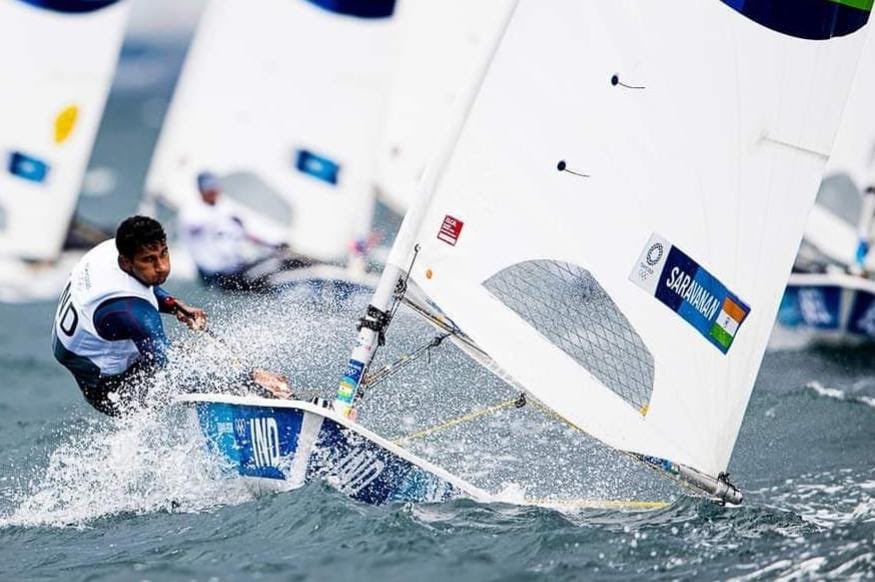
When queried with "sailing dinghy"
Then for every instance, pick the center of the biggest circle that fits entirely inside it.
(58, 62)
(609, 227)
(284, 101)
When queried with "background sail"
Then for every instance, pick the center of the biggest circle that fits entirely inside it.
(442, 42)
(284, 99)
(57, 67)
(832, 225)
(703, 135)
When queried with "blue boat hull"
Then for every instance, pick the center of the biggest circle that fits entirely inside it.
(297, 444)
(836, 306)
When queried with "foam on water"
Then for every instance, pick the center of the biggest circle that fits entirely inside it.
(143, 463)
(837, 394)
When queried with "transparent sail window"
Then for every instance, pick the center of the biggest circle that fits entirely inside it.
(567, 306)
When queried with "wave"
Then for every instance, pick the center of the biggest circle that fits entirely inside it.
(838, 394)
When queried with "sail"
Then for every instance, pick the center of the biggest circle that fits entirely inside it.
(617, 218)
(57, 66)
(832, 225)
(284, 100)
(441, 44)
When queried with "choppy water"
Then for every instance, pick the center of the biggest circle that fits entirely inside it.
(84, 498)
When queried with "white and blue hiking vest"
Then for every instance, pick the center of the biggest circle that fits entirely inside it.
(95, 279)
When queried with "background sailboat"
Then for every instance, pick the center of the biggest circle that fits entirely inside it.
(287, 114)
(611, 225)
(831, 295)
(58, 66)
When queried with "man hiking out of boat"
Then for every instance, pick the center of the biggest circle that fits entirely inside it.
(107, 328)
(228, 255)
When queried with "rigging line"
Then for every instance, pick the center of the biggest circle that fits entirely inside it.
(457, 421)
(371, 379)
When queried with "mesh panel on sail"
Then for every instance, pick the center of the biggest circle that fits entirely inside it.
(567, 305)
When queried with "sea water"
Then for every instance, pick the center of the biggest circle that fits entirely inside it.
(83, 497)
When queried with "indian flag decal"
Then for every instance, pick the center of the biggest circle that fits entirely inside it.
(809, 19)
(688, 289)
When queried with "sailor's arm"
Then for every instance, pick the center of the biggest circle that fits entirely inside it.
(133, 318)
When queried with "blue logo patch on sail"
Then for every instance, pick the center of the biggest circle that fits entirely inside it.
(317, 166)
(27, 167)
(358, 8)
(688, 289)
(71, 6)
(809, 19)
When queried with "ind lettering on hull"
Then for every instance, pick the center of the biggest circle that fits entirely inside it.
(265, 441)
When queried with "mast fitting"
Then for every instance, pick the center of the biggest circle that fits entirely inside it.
(376, 320)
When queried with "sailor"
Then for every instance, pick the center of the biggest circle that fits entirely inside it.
(864, 232)
(108, 330)
(227, 255)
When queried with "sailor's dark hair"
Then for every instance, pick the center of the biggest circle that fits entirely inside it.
(136, 232)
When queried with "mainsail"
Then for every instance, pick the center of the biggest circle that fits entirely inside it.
(441, 44)
(617, 215)
(57, 65)
(285, 97)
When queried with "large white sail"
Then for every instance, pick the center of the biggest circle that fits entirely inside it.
(57, 66)
(286, 96)
(442, 42)
(618, 216)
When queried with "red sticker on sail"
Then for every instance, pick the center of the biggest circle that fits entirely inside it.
(450, 230)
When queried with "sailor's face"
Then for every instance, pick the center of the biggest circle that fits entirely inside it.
(210, 195)
(150, 265)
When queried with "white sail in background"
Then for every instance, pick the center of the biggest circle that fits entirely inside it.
(442, 42)
(286, 97)
(57, 67)
(618, 216)
(832, 225)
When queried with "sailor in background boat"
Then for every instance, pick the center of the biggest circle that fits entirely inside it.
(864, 232)
(227, 255)
(107, 329)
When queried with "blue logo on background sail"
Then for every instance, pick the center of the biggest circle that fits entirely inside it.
(358, 8)
(71, 6)
(27, 167)
(317, 166)
(811, 19)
